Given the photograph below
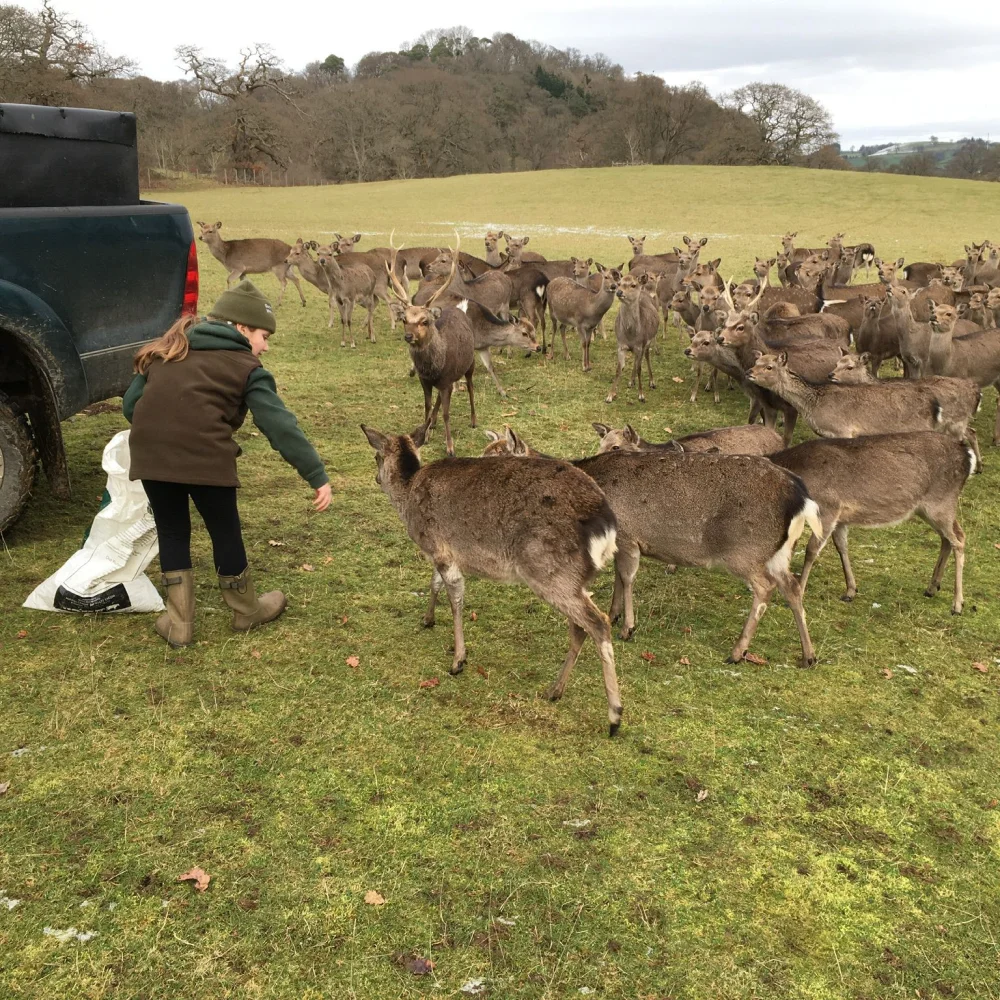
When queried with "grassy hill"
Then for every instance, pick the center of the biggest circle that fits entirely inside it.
(847, 843)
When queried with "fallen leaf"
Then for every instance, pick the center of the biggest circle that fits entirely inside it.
(648, 657)
(482, 672)
(686, 630)
(754, 658)
(306, 567)
(702, 795)
(509, 413)
(685, 662)
(474, 616)
(353, 661)
(669, 430)
(328, 560)
(22, 634)
(431, 682)
(3, 787)
(992, 804)
(981, 667)
(418, 966)
(996, 545)
(275, 543)
(343, 620)
(255, 653)
(887, 673)
(199, 876)
(677, 378)
(373, 898)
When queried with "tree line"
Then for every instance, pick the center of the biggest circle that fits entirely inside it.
(448, 103)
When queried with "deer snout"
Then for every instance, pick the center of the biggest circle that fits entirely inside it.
(620, 294)
(408, 337)
(688, 353)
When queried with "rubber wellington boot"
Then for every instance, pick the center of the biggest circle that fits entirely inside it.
(176, 624)
(249, 611)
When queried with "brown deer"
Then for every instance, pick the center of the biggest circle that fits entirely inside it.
(944, 405)
(442, 348)
(491, 289)
(659, 261)
(636, 326)
(253, 256)
(706, 349)
(976, 311)
(662, 501)
(881, 480)
(976, 356)
(577, 304)
(854, 369)
(515, 248)
(555, 538)
(993, 304)
(744, 439)
(345, 287)
(878, 335)
(493, 256)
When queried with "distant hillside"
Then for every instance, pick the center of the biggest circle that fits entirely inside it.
(941, 152)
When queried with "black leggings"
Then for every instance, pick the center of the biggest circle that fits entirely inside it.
(217, 506)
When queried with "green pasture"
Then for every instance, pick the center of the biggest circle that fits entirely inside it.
(755, 830)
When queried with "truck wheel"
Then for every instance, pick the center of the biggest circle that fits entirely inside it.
(17, 463)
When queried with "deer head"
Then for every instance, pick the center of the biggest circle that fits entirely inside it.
(638, 242)
(851, 369)
(419, 322)
(625, 439)
(887, 269)
(345, 244)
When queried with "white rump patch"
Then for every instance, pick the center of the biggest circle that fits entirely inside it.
(463, 305)
(603, 548)
(780, 563)
(973, 464)
(539, 290)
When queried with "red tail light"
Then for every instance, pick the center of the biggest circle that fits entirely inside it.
(190, 307)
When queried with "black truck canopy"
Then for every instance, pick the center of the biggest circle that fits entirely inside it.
(94, 162)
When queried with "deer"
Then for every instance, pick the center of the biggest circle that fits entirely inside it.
(744, 439)
(944, 405)
(706, 349)
(636, 325)
(877, 338)
(663, 500)
(555, 538)
(661, 261)
(493, 256)
(515, 249)
(492, 289)
(346, 286)
(300, 258)
(879, 481)
(442, 348)
(993, 304)
(253, 256)
(574, 303)
(975, 357)
(375, 259)
(854, 369)
(976, 310)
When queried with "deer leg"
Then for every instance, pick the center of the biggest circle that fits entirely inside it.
(693, 398)
(370, 306)
(792, 593)
(996, 424)
(280, 271)
(814, 547)
(840, 541)
(234, 275)
(454, 583)
(346, 318)
(952, 539)
(437, 582)
(428, 393)
(626, 568)
(584, 616)
(487, 360)
(762, 587)
(790, 415)
(563, 332)
(649, 365)
(468, 385)
(433, 418)
(444, 397)
(714, 385)
(585, 336)
(637, 372)
(610, 398)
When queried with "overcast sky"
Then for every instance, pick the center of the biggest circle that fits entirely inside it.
(895, 69)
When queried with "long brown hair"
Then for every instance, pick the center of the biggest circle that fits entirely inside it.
(172, 346)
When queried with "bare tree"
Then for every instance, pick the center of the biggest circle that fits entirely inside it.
(792, 124)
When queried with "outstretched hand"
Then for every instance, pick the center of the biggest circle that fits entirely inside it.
(324, 495)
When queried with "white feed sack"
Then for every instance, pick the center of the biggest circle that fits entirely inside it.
(108, 573)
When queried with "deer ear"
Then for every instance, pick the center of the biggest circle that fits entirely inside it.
(202, 224)
(771, 262)
(844, 352)
(754, 317)
(690, 330)
(357, 237)
(674, 446)
(865, 358)
(337, 237)
(525, 241)
(590, 260)
(491, 436)
(702, 241)
(678, 251)
(687, 240)
(714, 266)
(375, 438)
(602, 429)
(620, 267)
(218, 225)
(419, 436)
(644, 278)
(631, 435)
(435, 311)
(517, 446)
(783, 358)
(757, 355)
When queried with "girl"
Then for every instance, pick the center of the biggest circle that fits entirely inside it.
(191, 391)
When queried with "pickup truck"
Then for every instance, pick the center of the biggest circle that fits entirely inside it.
(88, 273)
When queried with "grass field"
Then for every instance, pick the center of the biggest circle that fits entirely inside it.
(847, 846)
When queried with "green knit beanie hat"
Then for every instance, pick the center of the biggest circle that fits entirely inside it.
(245, 304)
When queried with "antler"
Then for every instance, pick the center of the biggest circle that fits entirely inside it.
(451, 274)
(397, 286)
(760, 294)
(728, 295)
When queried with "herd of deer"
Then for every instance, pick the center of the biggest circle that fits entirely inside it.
(739, 497)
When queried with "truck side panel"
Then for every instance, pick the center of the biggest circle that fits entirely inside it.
(114, 278)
